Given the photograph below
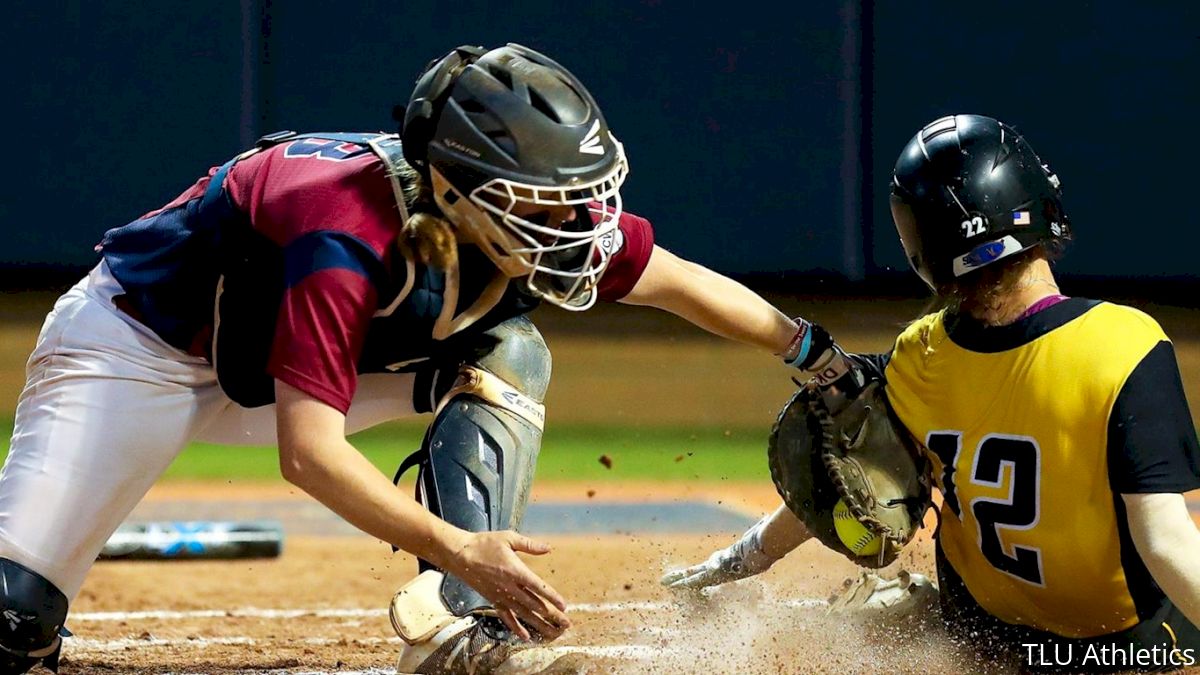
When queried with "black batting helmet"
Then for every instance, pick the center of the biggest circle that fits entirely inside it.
(494, 129)
(968, 190)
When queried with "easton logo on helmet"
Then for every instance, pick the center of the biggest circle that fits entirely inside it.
(591, 143)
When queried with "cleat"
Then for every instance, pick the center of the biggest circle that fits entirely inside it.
(469, 646)
(908, 593)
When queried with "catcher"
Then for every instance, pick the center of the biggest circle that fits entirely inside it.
(1055, 428)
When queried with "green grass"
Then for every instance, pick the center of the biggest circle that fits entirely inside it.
(568, 453)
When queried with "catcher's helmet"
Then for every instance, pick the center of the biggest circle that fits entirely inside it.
(509, 129)
(969, 190)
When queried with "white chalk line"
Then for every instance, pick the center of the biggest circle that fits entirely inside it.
(86, 644)
(368, 671)
(629, 652)
(626, 652)
(246, 613)
(121, 644)
(355, 613)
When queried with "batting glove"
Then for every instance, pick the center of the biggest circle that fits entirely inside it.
(744, 558)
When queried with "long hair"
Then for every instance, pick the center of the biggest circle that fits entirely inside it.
(987, 288)
(427, 237)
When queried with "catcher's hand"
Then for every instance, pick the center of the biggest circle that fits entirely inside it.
(743, 558)
(828, 445)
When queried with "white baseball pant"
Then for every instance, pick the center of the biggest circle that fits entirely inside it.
(107, 406)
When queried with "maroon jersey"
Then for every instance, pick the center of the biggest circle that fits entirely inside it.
(315, 306)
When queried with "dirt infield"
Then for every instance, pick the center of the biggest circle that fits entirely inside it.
(320, 607)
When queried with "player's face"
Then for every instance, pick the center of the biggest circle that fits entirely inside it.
(548, 215)
(553, 216)
(551, 235)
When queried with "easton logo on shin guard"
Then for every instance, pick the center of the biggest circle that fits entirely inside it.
(481, 383)
(517, 400)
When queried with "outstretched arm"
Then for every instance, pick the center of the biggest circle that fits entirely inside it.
(726, 308)
(711, 301)
(783, 533)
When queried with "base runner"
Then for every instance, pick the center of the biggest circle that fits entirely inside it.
(1055, 427)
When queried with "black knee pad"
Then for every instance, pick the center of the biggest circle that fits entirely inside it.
(32, 614)
(514, 351)
(520, 357)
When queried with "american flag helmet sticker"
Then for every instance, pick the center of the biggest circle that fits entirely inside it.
(1020, 217)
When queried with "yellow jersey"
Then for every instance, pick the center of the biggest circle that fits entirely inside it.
(1034, 430)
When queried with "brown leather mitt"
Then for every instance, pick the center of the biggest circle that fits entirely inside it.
(825, 447)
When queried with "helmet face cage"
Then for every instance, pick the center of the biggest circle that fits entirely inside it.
(561, 265)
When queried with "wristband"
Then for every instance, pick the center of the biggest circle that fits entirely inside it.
(800, 344)
(809, 346)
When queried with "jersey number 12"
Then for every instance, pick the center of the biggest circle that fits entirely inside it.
(1022, 509)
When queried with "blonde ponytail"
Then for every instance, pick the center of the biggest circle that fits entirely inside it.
(429, 240)
(426, 237)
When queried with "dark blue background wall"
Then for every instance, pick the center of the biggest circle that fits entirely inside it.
(114, 108)
(1106, 92)
(745, 129)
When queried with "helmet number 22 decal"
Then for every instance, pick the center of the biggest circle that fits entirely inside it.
(976, 225)
(999, 460)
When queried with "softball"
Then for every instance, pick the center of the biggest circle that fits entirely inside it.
(860, 540)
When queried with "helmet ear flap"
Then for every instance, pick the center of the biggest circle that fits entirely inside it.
(429, 96)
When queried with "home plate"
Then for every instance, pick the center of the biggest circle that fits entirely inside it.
(564, 660)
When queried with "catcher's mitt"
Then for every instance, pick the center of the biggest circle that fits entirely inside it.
(826, 447)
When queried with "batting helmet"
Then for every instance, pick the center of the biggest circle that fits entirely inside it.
(506, 137)
(968, 190)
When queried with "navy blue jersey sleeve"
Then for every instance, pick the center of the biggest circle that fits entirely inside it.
(873, 364)
(1152, 443)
